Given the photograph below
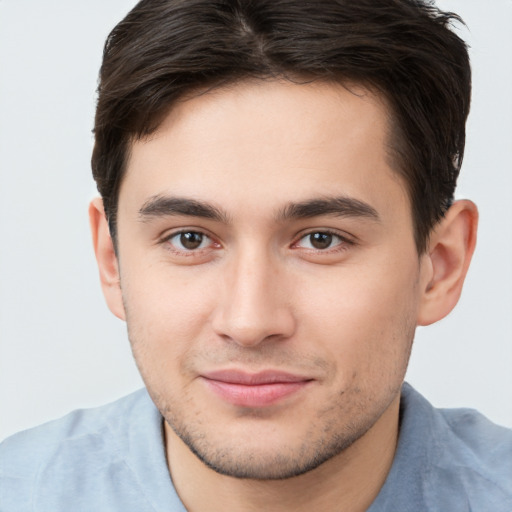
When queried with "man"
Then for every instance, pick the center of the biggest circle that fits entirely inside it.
(276, 218)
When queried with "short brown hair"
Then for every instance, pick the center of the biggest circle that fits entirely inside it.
(404, 49)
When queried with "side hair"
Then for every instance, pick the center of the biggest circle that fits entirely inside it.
(402, 49)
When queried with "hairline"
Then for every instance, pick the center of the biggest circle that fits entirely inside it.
(394, 137)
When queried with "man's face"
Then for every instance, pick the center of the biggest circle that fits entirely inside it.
(269, 275)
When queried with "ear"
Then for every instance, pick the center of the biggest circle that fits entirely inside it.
(446, 263)
(106, 257)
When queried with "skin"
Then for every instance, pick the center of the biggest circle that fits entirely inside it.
(258, 292)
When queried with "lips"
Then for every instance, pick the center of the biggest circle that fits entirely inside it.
(254, 389)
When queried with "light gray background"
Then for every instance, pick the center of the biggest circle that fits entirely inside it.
(60, 348)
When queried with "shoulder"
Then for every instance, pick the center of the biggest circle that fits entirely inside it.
(80, 427)
(478, 436)
(81, 438)
(467, 456)
(447, 459)
(480, 452)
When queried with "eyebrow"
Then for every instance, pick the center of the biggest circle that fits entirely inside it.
(336, 206)
(161, 206)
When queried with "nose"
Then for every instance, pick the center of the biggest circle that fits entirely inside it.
(255, 305)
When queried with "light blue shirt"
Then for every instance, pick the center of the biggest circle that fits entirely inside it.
(112, 458)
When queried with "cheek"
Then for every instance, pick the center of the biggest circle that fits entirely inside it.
(366, 319)
(165, 312)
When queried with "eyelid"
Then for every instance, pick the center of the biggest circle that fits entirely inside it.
(169, 235)
(176, 241)
(327, 231)
(345, 241)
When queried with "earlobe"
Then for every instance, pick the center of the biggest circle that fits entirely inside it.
(450, 249)
(106, 258)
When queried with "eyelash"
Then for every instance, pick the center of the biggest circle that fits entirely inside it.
(167, 240)
(343, 242)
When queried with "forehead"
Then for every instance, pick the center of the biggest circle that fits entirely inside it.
(267, 142)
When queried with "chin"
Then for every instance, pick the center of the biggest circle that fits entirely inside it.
(274, 460)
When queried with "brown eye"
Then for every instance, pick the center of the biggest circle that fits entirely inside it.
(320, 240)
(189, 240)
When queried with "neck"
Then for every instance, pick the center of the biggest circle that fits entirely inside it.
(348, 481)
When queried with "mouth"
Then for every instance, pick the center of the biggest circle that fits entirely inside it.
(254, 389)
